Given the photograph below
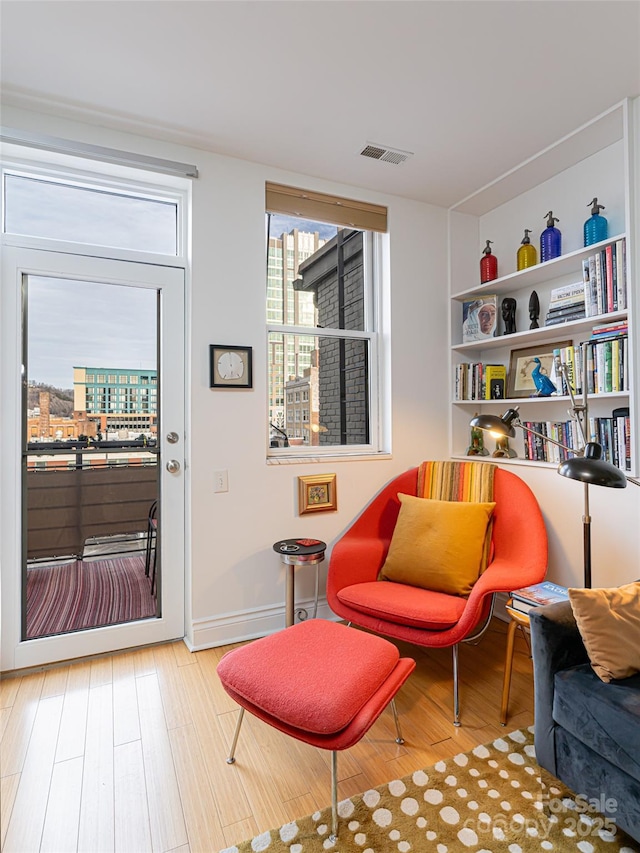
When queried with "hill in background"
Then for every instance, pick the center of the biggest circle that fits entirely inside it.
(61, 399)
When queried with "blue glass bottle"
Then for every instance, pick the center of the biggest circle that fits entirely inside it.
(595, 228)
(550, 240)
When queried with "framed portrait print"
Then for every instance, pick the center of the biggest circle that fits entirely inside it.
(230, 366)
(522, 365)
(317, 494)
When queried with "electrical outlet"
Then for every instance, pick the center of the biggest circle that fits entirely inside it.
(221, 481)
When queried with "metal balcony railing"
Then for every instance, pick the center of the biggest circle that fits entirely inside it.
(75, 492)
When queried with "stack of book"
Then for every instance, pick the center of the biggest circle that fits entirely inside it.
(566, 303)
(546, 592)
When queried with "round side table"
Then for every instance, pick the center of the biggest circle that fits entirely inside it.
(297, 552)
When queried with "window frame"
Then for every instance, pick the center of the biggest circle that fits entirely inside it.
(374, 247)
(67, 171)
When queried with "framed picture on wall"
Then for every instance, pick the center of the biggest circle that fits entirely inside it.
(317, 493)
(230, 366)
(521, 382)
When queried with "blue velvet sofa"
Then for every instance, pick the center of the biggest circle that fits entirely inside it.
(587, 732)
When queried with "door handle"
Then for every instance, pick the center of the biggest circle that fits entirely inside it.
(173, 466)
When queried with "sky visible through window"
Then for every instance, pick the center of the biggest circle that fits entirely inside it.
(81, 323)
(87, 324)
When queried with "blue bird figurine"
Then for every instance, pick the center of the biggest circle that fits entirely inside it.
(542, 382)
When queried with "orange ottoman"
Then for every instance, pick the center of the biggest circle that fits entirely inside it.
(318, 681)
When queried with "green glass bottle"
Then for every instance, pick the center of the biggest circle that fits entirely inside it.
(527, 254)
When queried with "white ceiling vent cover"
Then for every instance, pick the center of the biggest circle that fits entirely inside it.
(382, 152)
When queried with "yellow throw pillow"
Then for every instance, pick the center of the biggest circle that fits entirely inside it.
(609, 624)
(437, 545)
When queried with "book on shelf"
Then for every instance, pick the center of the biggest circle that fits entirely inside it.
(538, 594)
(604, 279)
(480, 318)
(495, 381)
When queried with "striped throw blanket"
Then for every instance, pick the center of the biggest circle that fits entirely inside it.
(456, 481)
(460, 481)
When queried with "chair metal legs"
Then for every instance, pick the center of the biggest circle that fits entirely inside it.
(456, 697)
(231, 759)
(334, 765)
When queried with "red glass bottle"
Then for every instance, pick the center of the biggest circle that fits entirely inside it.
(488, 264)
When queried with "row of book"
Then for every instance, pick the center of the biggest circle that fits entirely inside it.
(603, 288)
(605, 279)
(478, 381)
(606, 366)
(612, 433)
(536, 595)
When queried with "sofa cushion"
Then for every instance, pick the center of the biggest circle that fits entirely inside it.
(609, 624)
(603, 716)
(438, 545)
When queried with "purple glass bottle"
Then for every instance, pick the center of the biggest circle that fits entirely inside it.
(550, 240)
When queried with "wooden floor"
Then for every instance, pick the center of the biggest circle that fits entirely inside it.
(127, 752)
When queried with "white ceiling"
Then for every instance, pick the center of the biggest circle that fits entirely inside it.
(471, 87)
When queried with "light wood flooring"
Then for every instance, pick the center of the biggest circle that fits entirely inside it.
(127, 752)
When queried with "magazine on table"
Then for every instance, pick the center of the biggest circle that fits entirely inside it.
(526, 597)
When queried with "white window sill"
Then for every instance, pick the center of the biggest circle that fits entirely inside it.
(338, 457)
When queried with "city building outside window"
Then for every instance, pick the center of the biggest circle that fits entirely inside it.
(323, 322)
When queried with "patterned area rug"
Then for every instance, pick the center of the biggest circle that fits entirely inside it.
(86, 594)
(494, 798)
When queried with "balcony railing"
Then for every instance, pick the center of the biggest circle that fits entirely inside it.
(75, 493)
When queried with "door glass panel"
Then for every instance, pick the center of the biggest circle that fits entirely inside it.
(59, 211)
(90, 472)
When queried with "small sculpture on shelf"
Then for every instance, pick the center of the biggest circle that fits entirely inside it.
(534, 310)
(502, 449)
(542, 382)
(477, 448)
(509, 315)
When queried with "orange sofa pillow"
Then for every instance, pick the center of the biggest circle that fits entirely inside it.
(438, 545)
(609, 624)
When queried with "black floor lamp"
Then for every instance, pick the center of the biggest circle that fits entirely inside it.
(586, 464)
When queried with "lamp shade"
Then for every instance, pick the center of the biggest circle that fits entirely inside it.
(494, 424)
(591, 468)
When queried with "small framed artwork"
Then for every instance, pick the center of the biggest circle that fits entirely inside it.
(230, 366)
(317, 494)
(531, 363)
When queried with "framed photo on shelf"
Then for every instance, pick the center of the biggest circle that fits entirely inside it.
(230, 366)
(522, 364)
(317, 493)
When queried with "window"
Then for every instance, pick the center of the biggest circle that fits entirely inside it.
(334, 291)
(89, 214)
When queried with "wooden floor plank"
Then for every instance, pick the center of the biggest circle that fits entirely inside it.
(96, 833)
(8, 790)
(183, 656)
(73, 725)
(163, 796)
(30, 806)
(132, 819)
(201, 813)
(62, 820)
(55, 682)
(9, 690)
(17, 733)
(126, 724)
(174, 701)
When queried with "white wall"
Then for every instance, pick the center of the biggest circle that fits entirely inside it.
(236, 586)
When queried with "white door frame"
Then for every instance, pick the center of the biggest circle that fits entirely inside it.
(170, 281)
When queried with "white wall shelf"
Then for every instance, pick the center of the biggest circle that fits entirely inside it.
(597, 159)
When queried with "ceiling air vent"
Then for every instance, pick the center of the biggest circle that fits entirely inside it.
(384, 153)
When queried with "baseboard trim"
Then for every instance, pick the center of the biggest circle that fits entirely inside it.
(236, 627)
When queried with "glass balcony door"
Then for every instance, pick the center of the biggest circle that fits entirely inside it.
(93, 452)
